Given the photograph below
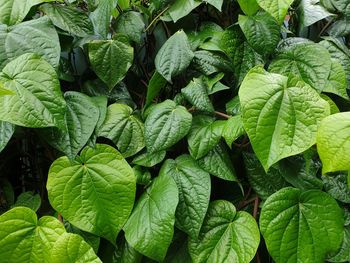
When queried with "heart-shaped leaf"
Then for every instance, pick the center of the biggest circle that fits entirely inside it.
(277, 8)
(6, 131)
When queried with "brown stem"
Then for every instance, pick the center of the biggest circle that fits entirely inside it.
(222, 114)
(156, 18)
(256, 207)
(60, 218)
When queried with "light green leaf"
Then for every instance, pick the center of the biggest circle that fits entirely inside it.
(337, 186)
(6, 131)
(14, 11)
(149, 159)
(111, 60)
(218, 163)
(311, 11)
(174, 56)
(124, 128)
(298, 227)
(166, 124)
(280, 115)
(4, 91)
(69, 19)
(262, 32)
(24, 238)
(216, 3)
(204, 135)
(249, 7)
(150, 227)
(233, 107)
(130, 24)
(196, 92)
(72, 248)
(333, 107)
(96, 184)
(226, 236)
(38, 101)
(277, 8)
(28, 199)
(194, 192)
(310, 62)
(336, 82)
(81, 119)
(213, 83)
(42, 40)
(233, 129)
(182, 8)
(101, 17)
(333, 143)
(155, 85)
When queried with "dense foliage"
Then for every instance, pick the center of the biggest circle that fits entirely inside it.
(174, 131)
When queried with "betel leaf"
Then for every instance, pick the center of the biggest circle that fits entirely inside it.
(6, 131)
(166, 124)
(80, 121)
(298, 227)
(218, 163)
(155, 85)
(71, 248)
(174, 56)
(130, 24)
(181, 8)
(69, 19)
(150, 227)
(24, 238)
(96, 184)
(277, 8)
(101, 17)
(28, 199)
(42, 40)
(337, 186)
(149, 159)
(110, 59)
(226, 236)
(14, 11)
(101, 104)
(178, 251)
(204, 135)
(210, 62)
(233, 129)
(38, 101)
(249, 7)
(333, 143)
(126, 253)
(196, 92)
(311, 11)
(262, 32)
(143, 176)
(309, 61)
(194, 192)
(336, 82)
(343, 254)
(280, 115)
(124, 128)
(216, 3)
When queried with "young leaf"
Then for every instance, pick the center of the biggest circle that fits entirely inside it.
(28, 199)
(150, 227)
(38, 101)
(111, 60)
(249, 7)
(166, 124)
(194, 192)
(277, 8)
(298, 225)
(124, 128)
(6, 131)
(69, 19)
(281, 116)
(174, 56)
(233, 129)
(28, 239)
(42, 40)
(226, 234)
(96, 184)
(333, 144)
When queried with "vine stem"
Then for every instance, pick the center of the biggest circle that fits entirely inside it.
(222, 114)
(60, 218)
(156, 18)
(256, 207)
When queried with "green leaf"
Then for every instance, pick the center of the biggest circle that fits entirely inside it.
(333, 143)
(343, 254)
(182, 8)
(14, 11)
(213, 83)
(233, 129)
(277, 8)
(96, 184)
(174, 56)
(337, 187)
(216, 3)
(263, 183)
(111, 60)
(226, 236)
(42, 40)
(155, 85)
(298, 227)
(38, 101)
(143, 176)
(24, 238)
(124, 128)
(208, 62)
(178, 251)
(281, 116)
(101, 17)
(310, 62)
(6, 131)
(130, 24)
(4, 91)
(72, 248)
(196, 92)
(336, 82)
(341, 27)
(233, 107)
(101, 103)
(218, 163)
(149, 159)
(126, 253)
(204, 135)
(194, 192)
(249, 7)
(311, 12)
(262, 32)
(334, 5)
(28, 199)
(150, 227)
(333, 107)
(69, 19)
(166, 124)
(81, 119)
